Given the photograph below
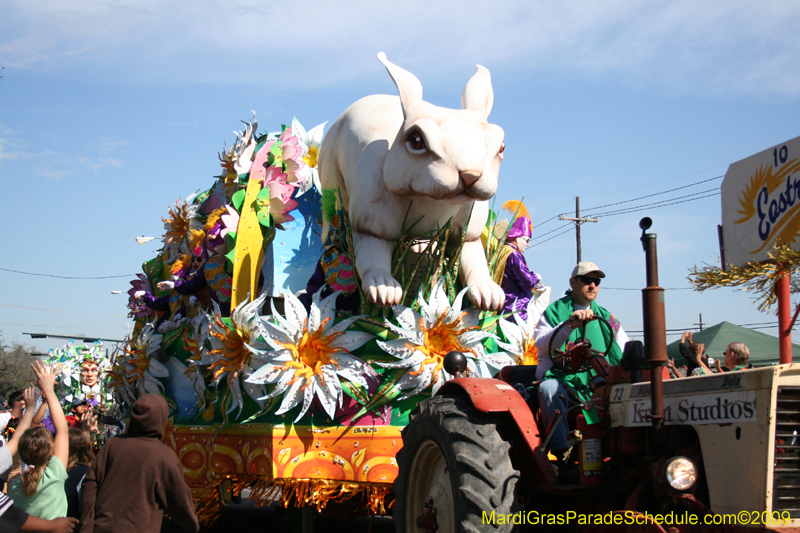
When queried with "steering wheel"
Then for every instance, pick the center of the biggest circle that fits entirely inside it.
(576, 359)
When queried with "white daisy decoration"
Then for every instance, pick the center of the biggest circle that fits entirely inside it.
(310, 355)
(520, 332)
(310, 142)
(235, 352)
(141, 369)
(182, 228)
(425, 339)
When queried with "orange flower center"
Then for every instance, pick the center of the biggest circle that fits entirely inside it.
(234, 354)
(440, 340)
(530, 356)
(312, 352)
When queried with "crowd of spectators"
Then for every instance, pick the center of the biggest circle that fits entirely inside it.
(59, 475)
(698, 363)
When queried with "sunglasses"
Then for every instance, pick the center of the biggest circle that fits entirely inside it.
(588, 280)
(197, 259)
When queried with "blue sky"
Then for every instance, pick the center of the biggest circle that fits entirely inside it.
(111, 111)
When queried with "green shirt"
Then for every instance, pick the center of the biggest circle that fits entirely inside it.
(50, 499)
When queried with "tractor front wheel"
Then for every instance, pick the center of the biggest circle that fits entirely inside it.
(455, 473)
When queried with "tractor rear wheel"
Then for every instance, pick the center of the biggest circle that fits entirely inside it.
(454, 469)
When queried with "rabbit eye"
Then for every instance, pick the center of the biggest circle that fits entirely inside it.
(416, 141)
(502, 148)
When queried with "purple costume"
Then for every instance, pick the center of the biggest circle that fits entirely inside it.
(518, 282)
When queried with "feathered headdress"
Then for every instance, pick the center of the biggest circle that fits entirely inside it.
(522, 225)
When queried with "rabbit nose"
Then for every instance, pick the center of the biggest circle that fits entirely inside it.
(470, 176)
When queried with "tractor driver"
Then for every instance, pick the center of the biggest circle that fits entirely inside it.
(576, 310)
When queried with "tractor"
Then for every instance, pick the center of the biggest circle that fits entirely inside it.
(711, 453)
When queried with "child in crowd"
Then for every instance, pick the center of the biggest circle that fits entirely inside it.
(40, 490)
(80, 457)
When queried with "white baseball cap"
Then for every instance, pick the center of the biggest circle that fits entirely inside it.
(586, 267)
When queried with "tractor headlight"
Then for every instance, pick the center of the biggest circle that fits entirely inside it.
(681, 473)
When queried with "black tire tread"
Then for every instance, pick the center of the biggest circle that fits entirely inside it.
(481, 472)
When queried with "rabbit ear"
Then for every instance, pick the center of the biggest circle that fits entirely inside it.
(407, 84)
(478, 95)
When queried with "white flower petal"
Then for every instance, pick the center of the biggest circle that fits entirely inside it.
(422, 384)
(516, 349)
(472, 318)
(236, 393)
(341, 326)
(266, 374)
(397, 347)
(439, 301)
(354, 376)
(291, 397)
(295, 312)
(407, 317)
(157, 369)
(511, 332)
(352, 340)
(276, 332)
(255, 391)
(414, 336)
(455, 309)
(308, 397)
(408, 362)
(327, 310)
(290, 329)
(315, 135)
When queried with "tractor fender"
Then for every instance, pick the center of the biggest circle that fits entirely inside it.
(495, 396)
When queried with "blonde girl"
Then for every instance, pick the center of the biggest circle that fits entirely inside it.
(40, 490)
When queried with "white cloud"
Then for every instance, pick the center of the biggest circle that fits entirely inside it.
(56, 165)
(735, 47)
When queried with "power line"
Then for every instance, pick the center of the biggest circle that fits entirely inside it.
(551, 238)
(629, 289)
(62, 327)
(661, 201)
(55, 311)
(65, 277)
(655, 194)
(549, 232)
(655, 183)
(655, 205)
(631, 210)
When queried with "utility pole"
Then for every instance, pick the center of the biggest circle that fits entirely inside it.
(578, 220)
(701, 323)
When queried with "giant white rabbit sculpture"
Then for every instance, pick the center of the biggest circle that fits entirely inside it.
(390, 156)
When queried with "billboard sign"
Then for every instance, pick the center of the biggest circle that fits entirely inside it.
(761, 203)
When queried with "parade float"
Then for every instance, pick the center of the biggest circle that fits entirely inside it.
(299, 397)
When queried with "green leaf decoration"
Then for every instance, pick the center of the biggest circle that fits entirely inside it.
(262, 207)
(238, 199)
(170, 336)
(370, 325)
(355, 391)
(153, 268)
(387, 392)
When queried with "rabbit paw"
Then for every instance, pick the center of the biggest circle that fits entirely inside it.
(382, 289)
(487, 296)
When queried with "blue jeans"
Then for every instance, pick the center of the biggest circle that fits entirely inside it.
(549, 401)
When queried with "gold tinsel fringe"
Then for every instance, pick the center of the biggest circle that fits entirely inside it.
(758, 278)
(377, 497)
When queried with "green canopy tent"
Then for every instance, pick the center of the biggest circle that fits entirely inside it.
(763, 347)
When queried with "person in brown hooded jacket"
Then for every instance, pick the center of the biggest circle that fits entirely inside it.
(135, 478)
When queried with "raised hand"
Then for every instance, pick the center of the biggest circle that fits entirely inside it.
(89, 422)
(46, 375)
